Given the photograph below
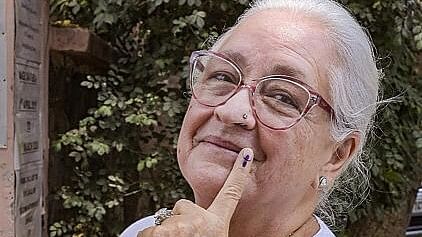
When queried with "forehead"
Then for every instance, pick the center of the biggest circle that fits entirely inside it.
(277, 42)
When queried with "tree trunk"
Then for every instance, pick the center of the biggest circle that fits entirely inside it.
(392, 223)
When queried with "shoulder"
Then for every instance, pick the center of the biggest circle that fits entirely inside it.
(324, 231)
(137, 226)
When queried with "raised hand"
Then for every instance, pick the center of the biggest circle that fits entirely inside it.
(191, 220)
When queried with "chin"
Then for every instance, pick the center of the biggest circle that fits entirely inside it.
(206, 180)
(204, 196)
(206, 168)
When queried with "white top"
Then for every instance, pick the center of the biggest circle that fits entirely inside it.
(133, 229)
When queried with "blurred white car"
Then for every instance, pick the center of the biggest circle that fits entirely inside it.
(415, 225)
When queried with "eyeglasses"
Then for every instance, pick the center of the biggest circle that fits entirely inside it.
(278, 101)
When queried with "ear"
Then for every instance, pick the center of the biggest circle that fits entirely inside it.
(343, 152)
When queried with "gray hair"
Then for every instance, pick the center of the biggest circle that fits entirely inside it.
(354, 85)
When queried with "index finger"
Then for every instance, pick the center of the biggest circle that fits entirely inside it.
(227, 199)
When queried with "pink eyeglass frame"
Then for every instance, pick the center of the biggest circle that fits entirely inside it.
(314, 97)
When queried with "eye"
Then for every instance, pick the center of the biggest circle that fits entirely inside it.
(286, 99)
(223, 77)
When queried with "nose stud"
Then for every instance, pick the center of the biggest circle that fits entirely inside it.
(244, 116)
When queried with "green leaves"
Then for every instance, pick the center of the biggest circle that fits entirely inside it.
(103, 111)
(417, 31)
(59, 229)
(196, 20)
(120, 157)
(394, 151)
(190, 2)
(126, 141)
(148, 162)
(68, 11)
(140, 119)
(97, 147)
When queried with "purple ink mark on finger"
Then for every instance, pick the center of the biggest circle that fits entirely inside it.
(245, 160)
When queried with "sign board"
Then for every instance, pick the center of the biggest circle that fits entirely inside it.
(27, 113)
(27, 88)
(3, 82)
(28, 202)
(28, 140)
(28, 30)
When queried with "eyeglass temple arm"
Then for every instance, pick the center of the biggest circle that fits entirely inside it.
(324, 105)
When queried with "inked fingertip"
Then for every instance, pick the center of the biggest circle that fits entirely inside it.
(247, 152)
(247, 156)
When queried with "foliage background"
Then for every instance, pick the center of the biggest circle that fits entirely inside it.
(119, 158)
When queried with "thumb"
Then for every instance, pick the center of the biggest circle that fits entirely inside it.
(227, 199)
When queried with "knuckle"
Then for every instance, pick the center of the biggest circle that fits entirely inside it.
(181, 205)
(233, 191)
(235, 188)
(183, 202)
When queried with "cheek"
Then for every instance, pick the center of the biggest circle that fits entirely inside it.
(297, 152)
(287, 153)
(195, 117)
(289, 169)
(286, 146)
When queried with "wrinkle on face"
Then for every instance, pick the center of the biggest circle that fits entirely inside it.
(290, 159)
(300, 39)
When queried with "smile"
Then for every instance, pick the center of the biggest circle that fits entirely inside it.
(221, 143)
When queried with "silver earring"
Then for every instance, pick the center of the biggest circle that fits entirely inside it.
(323, 182)
(245, 116)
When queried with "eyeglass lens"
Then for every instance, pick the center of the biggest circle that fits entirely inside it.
(279, 102)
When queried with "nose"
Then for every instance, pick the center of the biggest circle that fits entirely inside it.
(237, 110)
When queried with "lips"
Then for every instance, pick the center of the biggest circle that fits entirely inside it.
(225, 144)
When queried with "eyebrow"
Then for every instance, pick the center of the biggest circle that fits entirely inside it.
(236, 57)
(278, 69)
(282, 69)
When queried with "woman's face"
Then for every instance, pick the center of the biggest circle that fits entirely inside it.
(287, 163)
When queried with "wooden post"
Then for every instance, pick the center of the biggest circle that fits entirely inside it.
(23, 109)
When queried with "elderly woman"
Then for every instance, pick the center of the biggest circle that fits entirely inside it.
(280, 110)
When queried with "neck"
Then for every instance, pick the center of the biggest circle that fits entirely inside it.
(309, 228)
(271, 219)
(298, 223)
